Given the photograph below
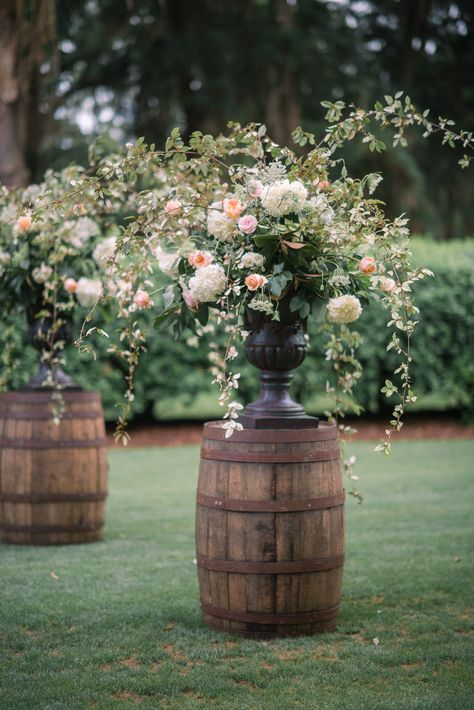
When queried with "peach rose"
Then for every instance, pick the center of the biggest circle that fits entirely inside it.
(23, 224)
(142, 299)
(233, 208)
(255, 281)
(173, 207)
(367, 265)
(70, 285)
(387, 284)
(200, 258)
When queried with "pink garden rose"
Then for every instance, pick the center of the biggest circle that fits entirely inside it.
(233, 208)
(200, 258)
(255, 188)
(70, 285)
(367, 265)
(173, 207)
(142, 299)
(387, 284)
(255, 281)
(247, 224)
(191, 302)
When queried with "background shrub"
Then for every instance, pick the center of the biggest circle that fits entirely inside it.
(172, 379)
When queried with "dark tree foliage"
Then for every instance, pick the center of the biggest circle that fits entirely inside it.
(144, 66)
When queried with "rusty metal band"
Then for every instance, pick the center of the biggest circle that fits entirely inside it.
(302, 617)
(269, 457)
(27, 416)
(45, 397)
(283, 505)
(324, 432)
(282, 567)
(52, 443)
(52, 497)
(91, 527)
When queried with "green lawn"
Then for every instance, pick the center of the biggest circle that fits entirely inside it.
(117, 624)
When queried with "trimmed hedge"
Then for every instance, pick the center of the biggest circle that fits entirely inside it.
(443, 352)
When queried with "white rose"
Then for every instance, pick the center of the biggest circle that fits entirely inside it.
(41, 274)
(218, 224)
(167, 261)
(208, 283)
(251, 260)
(104, 251)
(343, 309)
(88, 291)
(283, 197)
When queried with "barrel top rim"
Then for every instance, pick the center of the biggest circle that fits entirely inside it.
(19, 397)
(324, 432)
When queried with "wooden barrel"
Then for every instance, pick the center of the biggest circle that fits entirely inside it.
(270, 530)
(53, 477)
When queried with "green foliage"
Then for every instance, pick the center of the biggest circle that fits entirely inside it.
(117, 625)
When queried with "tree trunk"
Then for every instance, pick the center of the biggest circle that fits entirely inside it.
(27, 30)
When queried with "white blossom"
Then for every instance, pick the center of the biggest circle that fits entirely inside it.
(88, 291)
(208, 283)
(218, 224)
(104, 251)
(81, 231)
(284, 197)
(251, 260)
(343, 309)
(41, 274)
(167, 261)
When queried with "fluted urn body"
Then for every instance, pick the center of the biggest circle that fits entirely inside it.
(276, 348)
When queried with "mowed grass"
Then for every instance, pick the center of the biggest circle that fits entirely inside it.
(117, 624)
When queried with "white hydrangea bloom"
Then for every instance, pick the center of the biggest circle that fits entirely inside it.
(81, 230)
(343, 309)
(251, 260)
(208, 283)
(88, 291)
(283, 197)
(218, 224)
(104, 251)
(41, 274)
(167, 261)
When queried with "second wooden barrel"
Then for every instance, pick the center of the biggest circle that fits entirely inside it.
(269, 530)
(53, 477)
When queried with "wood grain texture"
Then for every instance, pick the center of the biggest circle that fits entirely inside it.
(267, 566)
(53, 478)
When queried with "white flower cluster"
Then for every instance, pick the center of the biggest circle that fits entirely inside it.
(80, 231)
(344, 309)
(218, 224)
(251, 260)
(104, 251)
(88, 291)
(284, 197)
(207, 283)
(339, 278)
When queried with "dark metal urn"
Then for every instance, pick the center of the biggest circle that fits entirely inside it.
(276, 348)
(41, 337)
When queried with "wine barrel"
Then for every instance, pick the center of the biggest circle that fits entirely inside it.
(270, 530)
(53, 477)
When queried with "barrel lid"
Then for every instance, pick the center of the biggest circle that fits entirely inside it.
(324, 432)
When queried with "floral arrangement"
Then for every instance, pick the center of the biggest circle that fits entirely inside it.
(51, 262)
(237, 222)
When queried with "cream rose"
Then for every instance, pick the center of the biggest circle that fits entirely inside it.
(255, 281)
(343, 309)
(208, 283)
